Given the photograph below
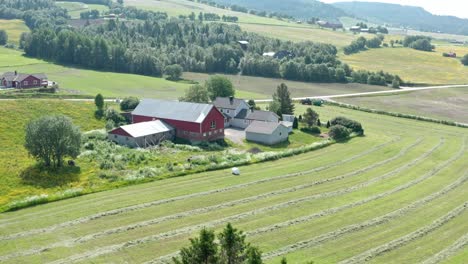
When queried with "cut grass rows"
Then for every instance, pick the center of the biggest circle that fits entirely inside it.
(368, 255)
(76, 208)
(161, 242)
(381, 219)
(178, 216)
(235, 218)
(374, 222)
(449, 251)
(185, 197)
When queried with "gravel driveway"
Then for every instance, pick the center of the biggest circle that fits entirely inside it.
(235, 135)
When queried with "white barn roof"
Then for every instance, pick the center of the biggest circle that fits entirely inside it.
(146, 128)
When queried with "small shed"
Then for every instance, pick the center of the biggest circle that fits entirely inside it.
(288, 125)
(267, 133)
(142, 135)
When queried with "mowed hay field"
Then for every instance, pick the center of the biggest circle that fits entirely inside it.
(412, 65)
(13, 28)
(445, 104)
(397, 195)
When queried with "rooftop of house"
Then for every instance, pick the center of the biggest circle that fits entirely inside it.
(227, 102)
(259, 127)
(146, 128)
(182, 111)
(258, 115)
(18, 77)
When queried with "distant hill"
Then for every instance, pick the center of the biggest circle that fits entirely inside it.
(405, 16)
(301, 9)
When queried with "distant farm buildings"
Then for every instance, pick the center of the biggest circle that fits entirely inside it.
(280, 54)
(23, 80)
(327, 24)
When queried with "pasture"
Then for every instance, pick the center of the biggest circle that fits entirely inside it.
(267, 86)
(412, 65)
(444, 104)
(14, 29)
(397, 195)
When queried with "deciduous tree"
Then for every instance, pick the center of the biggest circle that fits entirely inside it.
(219, 86)
(51, 138)
(196, 94)
(310, 117)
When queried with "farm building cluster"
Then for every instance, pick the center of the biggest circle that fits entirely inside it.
(154, 121)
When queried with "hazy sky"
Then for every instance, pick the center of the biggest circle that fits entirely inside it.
(439, 7)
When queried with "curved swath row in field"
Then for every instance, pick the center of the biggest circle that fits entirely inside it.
(71, 242)
(449, 251)
(113, 248)
(335, 210)
(375, 221)
(61, 209)
(368, 151)
(372, 253)
(188, 196)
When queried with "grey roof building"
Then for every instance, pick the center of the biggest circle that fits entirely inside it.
(267, 133)
(182, 111)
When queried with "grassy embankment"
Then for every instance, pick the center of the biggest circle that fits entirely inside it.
(395, 195)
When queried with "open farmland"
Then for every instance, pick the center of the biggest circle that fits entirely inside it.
(14, 29)
(382, 198)
(75, 8)
(412, 65)
(267, 86)
(444, 104)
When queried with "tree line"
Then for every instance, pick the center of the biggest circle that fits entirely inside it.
(149, 41)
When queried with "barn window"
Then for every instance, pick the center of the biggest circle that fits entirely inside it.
(25, 83)
(115, 136)
(209, 133)
(227, 111)
(126, 138)
(34, 82)
(213, 124)
(204, 134)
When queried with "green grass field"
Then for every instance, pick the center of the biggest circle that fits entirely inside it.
(14, 115)
(267, 86)
(14, 28)
(412, 65)
(445, 104)
(75, 8)
(75, 81)
(397, 195)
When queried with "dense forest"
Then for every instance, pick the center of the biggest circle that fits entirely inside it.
(405, 16)
(147, 42)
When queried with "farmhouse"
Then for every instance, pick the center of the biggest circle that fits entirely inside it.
(355, 29)
(230, 107)
(142, 135)
(267, 133)
(23, 81)
(191, 121)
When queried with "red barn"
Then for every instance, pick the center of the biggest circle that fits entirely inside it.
(194, 122)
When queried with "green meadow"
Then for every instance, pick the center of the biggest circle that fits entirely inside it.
(396, 195)
(14, 29)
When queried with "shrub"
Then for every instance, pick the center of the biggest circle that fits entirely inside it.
(129, 103)
(339, 132)
(464, 60)
(354, 126)
(311, 130)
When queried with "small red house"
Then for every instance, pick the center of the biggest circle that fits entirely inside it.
(191, 121)
(22, 81)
